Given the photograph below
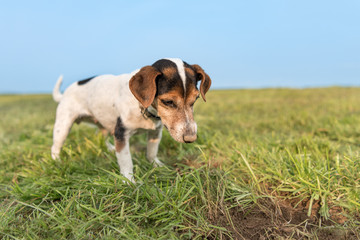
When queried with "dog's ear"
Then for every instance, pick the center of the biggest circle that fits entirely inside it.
(143, 85)
(204, 78)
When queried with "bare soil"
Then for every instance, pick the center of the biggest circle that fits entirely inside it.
(274, 219)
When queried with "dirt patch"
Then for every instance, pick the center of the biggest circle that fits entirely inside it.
(274, 219)
(280, 216)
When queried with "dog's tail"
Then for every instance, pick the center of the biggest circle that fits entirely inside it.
(56, 91)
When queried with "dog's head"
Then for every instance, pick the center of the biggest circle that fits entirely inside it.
(170, 86)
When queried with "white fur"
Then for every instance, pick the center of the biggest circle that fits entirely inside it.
(181, 127)
(179, 131)
(154, 138)
(125, 162)
(56, 92)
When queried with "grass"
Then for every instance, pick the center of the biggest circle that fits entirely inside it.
(272, 163)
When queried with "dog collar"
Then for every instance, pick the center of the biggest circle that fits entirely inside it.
(148, 114)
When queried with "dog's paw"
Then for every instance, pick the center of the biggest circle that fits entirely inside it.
(55, 155)
(130, 178)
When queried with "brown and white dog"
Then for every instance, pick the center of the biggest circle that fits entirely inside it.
(161, 94)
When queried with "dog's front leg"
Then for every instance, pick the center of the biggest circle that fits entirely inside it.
(122, 150)
(154, 137)
(123, 155)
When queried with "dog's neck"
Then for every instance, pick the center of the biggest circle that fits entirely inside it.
(150, 112)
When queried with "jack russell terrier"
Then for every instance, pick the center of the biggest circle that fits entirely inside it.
(161, 94)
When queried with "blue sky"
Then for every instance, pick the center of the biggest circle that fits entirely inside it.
(240, 44)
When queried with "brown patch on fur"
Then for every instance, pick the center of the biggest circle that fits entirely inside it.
(192, 94)
(143, 86)
(204, 78)
(189, 71)
(191, 89)
(171, 115)
(90, 119)
(169, 72)
(119, 145)
(174, 94)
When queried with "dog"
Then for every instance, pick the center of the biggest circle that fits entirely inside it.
(149, 98)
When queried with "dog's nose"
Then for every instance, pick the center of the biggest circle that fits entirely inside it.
(189, 138)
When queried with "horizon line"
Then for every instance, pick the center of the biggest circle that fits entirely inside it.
(215, 88)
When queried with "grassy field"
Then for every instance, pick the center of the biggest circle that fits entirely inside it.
(268, 164)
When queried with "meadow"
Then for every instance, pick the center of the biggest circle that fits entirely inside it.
(268, 164)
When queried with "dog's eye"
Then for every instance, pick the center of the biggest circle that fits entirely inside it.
(169, 103)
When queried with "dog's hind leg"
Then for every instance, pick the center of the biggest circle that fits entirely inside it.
(154, 137)
(64, 120)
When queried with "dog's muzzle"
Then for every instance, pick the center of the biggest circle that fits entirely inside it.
(189, 138)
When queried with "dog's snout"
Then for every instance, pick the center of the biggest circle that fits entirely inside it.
(189, 138)
(189, 135)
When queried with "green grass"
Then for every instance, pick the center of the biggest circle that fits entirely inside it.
(256, 149)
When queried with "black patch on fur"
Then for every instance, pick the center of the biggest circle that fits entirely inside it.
(84, 81)
(187, 65)
(119, 130)
(164, 63)
(165, 84)
(190, 80)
